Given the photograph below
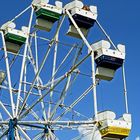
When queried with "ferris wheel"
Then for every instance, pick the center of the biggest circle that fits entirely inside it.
(48, 67)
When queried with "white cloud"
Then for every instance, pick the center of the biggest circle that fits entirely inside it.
(87, 134)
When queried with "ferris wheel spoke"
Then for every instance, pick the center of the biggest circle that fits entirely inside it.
(62, 97)
(93, 61)
(32, 111)
(65, 76)
(66, 88)
(31, 87)
(69, 82)
(75, 103)
(7, 112)
(38, 72)
(38, 79)
(17, 135)
(25, 79)
(42, 87)
(38, 136)
(53, 72)
(63, 94)
(54, 61)
(8, 74)
(67, 107)
(40, 99)
(23, 61)
(51, 135)
(67, 85)
(21, 13)
(23, 132)
(4, 134)
(49, 83)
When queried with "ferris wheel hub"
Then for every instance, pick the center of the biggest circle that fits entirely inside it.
(12, 126)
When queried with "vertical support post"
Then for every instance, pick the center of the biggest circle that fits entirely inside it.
(63, 94)
(94, 86)
(125, 89)
(8, 74)
(11, 131)
(25, 78)
(53, 71)
(36, 52)
(38, 78)
(56, 37)
(39, 70)
(23, 61)
(93, 62)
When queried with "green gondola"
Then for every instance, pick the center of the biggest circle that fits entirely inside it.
(48, 15)
(16, 39)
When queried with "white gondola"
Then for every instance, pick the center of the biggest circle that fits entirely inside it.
(2, 76)
(112, 128)
(46, 14)
(14, 38)
(84, 17)
(107, 60)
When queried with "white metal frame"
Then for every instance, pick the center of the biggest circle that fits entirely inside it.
(20, 112)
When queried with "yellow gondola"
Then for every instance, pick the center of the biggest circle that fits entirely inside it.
(112, 128)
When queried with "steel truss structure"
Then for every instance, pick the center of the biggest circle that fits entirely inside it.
(38, 79)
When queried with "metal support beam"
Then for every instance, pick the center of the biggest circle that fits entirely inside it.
(93, 62)
(48, 123)
(74, 103)
(94, 86)
(39, 70)
(23, 62)
(107, 36)
(38, 79)
(125, 89)
(23, 132)
(54, 61)
(8, 74)
(7, 112)
(66, 75)
(21, 13)
(34, 80)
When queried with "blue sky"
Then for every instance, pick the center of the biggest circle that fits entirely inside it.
(121, 20)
